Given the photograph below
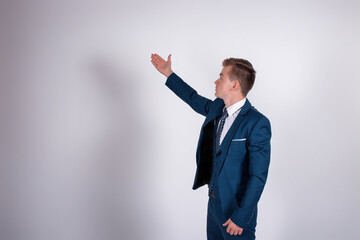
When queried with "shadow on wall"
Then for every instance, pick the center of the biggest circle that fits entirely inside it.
(81, 182)
(115, 202)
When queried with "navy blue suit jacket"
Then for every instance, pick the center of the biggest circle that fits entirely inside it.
(244, 155)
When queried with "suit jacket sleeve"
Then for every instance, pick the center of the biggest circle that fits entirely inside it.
(199, 103)
(259, 159)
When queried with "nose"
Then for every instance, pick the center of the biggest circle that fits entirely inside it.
(216, 81)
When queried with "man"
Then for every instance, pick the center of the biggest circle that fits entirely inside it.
(233, 152)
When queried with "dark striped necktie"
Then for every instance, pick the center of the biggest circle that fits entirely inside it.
(220, 128)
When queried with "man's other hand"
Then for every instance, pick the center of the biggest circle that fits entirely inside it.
(232, 228)
(164, 67)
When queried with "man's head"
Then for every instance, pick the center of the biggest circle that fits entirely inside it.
(236, 77)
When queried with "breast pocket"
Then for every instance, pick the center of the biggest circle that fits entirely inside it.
(236, 157)
(238, 145)
(238, 140)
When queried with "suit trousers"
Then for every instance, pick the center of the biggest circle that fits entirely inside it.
(215, 220)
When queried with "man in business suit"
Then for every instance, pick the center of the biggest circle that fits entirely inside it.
(233, 152)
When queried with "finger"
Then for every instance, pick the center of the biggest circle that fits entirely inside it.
(169, 58)
(232, 231)
(153, 56)
(153, 62)
(226, 223)
(228, 229)
(236, 232)
(158, 58)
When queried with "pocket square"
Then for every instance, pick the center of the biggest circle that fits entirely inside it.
(238, 139)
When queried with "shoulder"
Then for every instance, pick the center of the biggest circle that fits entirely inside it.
(256, 115)
(259, 125)
(256, 121)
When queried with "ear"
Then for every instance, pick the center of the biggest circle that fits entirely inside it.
(236, 85)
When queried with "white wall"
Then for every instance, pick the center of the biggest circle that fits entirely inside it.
(94, 146)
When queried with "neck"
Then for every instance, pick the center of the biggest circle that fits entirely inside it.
(233, 99)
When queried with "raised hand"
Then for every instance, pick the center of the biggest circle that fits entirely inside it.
(164, 67)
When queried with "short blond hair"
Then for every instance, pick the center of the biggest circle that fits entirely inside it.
(242, 71)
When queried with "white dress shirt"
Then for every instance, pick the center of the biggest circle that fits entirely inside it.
(233, 111)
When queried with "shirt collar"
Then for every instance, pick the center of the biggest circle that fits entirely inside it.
(235, 107)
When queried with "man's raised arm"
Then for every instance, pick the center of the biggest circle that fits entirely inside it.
(199, 103)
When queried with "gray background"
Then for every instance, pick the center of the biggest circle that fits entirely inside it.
(94, 145)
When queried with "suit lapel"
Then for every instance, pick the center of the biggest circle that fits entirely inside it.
(230, 134)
